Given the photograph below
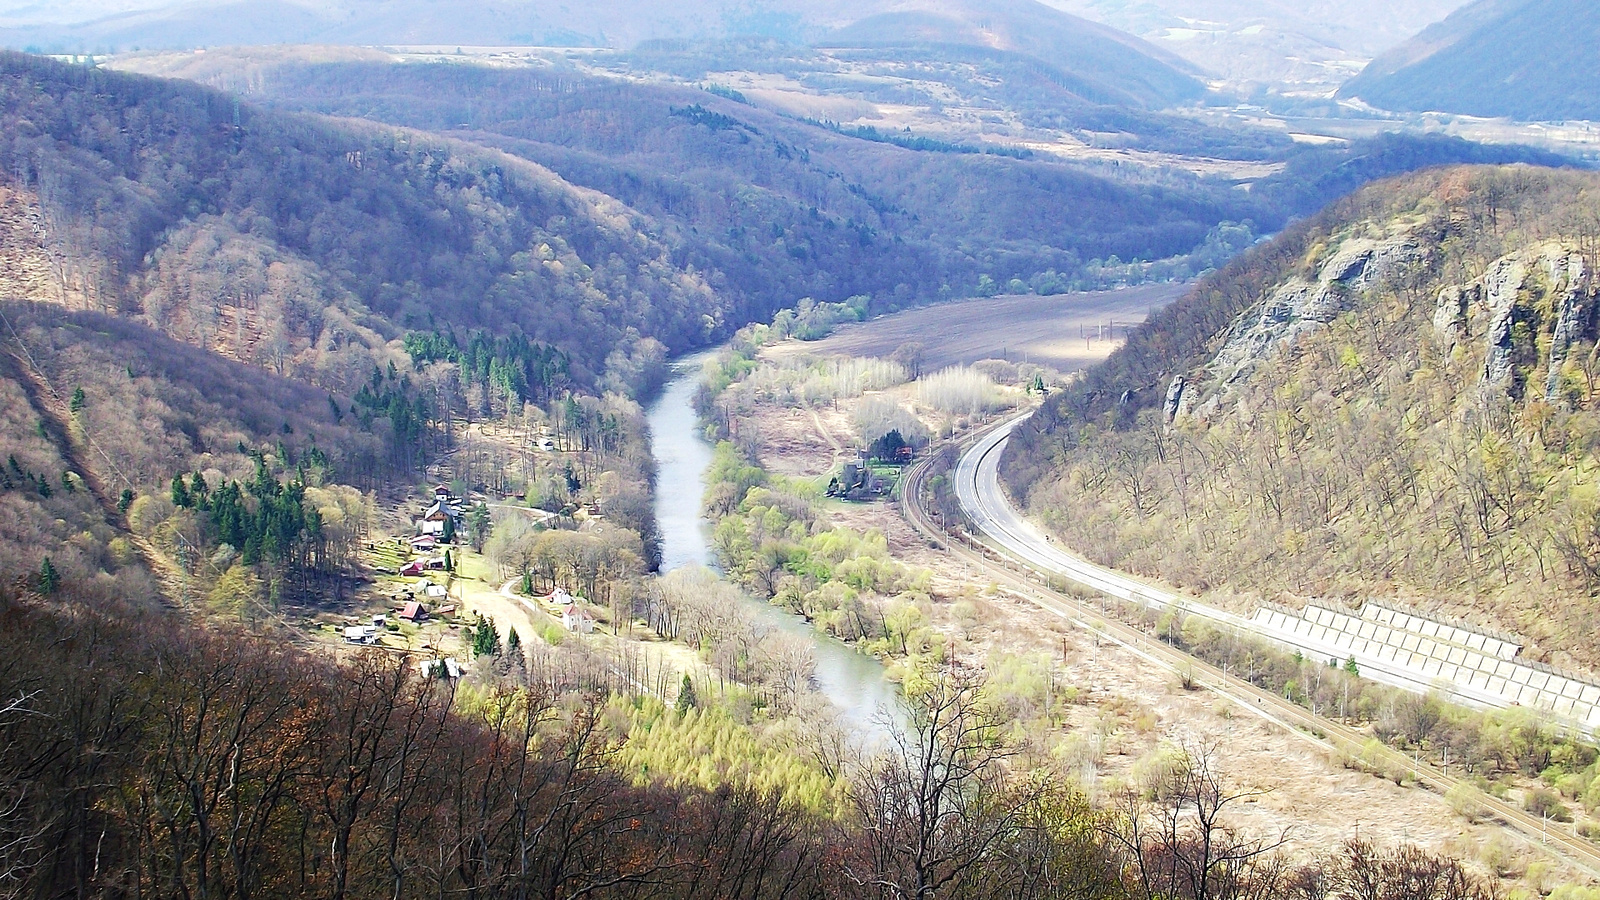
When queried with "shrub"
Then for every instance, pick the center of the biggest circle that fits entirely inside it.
(1546, 803)
(1466, 801)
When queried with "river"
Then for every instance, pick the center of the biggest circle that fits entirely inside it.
(853, 682)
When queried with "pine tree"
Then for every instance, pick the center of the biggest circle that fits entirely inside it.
(125, 501)
(180, 493)
(686, 696)
(513, 643)
(485, 638)
(49, 579)
(479, 524)
(78, 401)
(526, 588)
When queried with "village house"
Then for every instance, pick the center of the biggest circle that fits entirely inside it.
(414, 613)
(433, 519)
(576, 619)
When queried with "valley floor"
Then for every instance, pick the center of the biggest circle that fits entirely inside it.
(1125, 712)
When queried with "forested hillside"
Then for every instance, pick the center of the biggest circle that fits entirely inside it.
(781, 209)
(771, 209)
(102, 413)
(242, 321)
(304, 246)
(1395, 398)
(1523, 59)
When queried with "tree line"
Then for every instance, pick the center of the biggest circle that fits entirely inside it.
(143, 756)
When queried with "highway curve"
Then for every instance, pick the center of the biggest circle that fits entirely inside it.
(1008, 540)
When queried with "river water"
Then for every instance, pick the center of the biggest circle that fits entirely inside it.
(853, 682)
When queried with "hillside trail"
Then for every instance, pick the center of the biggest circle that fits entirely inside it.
(55, 417)
(839, 451)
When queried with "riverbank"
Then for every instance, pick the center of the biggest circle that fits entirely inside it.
(854, 683)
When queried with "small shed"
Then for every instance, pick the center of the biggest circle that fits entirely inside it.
(414, 612)
(452, 667)
(414, 567)
(436, 591)
(424, 542)
(361, 634)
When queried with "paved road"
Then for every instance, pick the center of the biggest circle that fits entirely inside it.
(985, 503)
(977, 480)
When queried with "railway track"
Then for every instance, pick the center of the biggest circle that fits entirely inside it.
(1026, 580)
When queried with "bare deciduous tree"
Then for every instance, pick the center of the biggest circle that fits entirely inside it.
(1179, 846)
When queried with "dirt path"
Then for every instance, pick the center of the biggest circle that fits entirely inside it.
(54, 415)
(827, 435)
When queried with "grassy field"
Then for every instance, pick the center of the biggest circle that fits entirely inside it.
(1061, 331)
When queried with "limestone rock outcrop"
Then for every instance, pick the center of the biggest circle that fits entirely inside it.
(1546, 290)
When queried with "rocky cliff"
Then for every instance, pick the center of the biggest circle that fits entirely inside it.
(1396, 400)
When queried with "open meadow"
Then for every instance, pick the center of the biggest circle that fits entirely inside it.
(1065, 332)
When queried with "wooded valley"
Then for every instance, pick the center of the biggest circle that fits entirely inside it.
(244, 323)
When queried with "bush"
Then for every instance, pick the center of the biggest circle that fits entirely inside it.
(1547, 804)
(1466, 801)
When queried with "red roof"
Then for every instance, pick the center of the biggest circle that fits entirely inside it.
(414, 612)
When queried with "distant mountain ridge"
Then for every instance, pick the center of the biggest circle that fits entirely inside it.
(1023, 26)
(1531, 60)
(1288, 45)
(1114, 66)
